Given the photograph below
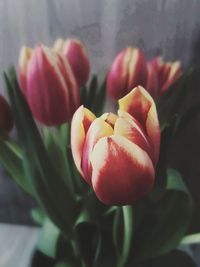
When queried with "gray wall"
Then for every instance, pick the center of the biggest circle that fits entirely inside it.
(169, 27)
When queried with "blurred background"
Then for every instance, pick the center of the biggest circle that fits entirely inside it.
(167, 27)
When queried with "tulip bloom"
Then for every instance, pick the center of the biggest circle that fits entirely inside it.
(77, 56)
(117, 154)
(49, 85)
(128, 70)
(167, 73)
(6, 119)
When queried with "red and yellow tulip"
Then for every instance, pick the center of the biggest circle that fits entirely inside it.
(167, 73)
(117, 154)
(128, 70)
(77, 56)
(48, 84)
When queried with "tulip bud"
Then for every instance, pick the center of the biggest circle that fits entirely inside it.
(167, 73)
(24, 58)
(6, 119)
(117, 154)
(128, 70)
(77, 56)
(51, 92)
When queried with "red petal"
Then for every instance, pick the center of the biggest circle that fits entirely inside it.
(141, 106)
(117, 79)
(122, 172)
(77, 56)
(98, 129)
(128, 127)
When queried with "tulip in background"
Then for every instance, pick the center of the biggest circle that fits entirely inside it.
(167, 73)
(76, 54)
(133, 137)
(130, 69)
(49, 85)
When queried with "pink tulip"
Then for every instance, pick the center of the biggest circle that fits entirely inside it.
(77, 56)
(167, 73)
(117, 154)
(128, 70)
(49, 86)
(6, 118)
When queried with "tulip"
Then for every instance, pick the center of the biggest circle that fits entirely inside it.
(49, 85)
(6, 119)
(117, 154)
(77, 56)
(167, 73)
(128, 70)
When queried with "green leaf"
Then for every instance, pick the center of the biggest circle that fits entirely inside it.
(11, 159)
(48, 240)
(99, 101)
(89, 240)
(166, 217)
(83, 95)
(107, 254)
(92, 210)
(38, 215)
(92, 90)
(57, 142)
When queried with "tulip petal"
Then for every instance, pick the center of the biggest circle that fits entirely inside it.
(137, 68)
(121, 171)
(58, 45)
(24, 59)
(110, 118)
(174, 73)
(141, 106)
(77, 56)
(128, 127)
(74, 94)
(98, 129)
(118, 76)
(80, 124)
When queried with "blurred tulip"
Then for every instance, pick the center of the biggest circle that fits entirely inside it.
(6, 118)
(77, 56)
(128, 70)
(49, 86)
(117, 154)
(167, 73)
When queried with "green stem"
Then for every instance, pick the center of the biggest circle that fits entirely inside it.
(64, 142)
(128, 232)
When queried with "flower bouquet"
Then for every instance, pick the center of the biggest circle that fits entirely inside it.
(106, 193)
